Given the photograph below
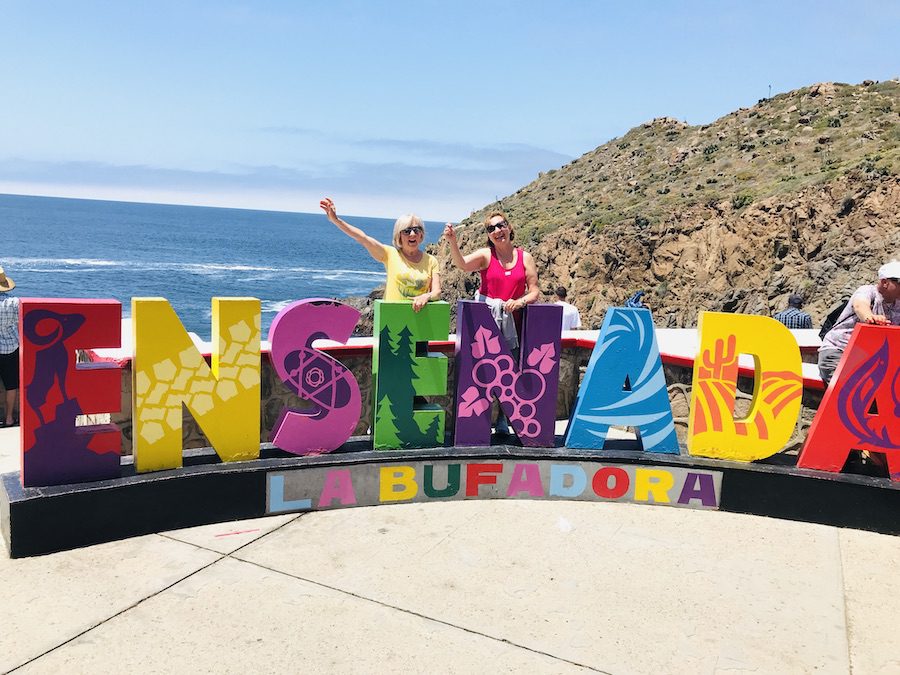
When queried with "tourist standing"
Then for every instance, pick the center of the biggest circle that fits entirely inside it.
(412, 274)
(508, 280)
(571, 319)
(508, 274)
(794, 316)
(9, 347)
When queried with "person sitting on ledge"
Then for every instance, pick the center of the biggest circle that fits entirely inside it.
(874, 303)
(794, 316)
(412, 274)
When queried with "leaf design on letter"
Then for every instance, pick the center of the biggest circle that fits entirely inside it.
(472, 405)
(485, 343)
(543, 357)
(856, 396)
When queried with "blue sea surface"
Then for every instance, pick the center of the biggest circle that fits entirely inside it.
(76, 248)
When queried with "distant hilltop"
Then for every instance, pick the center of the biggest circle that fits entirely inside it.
(800, 193)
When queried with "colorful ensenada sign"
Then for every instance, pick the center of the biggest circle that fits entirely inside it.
(624, 385)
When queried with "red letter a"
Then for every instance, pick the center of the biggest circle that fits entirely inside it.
(868, 372)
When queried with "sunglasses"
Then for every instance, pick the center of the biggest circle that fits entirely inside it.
(499, 226)
(415, 229)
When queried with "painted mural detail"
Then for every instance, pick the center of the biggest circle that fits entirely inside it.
(55, 391)
(712, 429)
(169, 371)
(487, 369)
(860, 411)
(314, 376)
(861, 408)
(624, 385)
(400, 374)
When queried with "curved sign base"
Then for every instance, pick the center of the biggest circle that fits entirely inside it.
(47, 519)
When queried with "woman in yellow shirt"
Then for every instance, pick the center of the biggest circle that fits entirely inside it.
(412, 274)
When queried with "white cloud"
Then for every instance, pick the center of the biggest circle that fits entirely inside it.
(440, 181)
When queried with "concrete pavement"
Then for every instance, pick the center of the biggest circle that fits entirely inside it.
(504, 586)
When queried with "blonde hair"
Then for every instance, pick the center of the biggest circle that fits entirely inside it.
(408, 220)
(490, 217)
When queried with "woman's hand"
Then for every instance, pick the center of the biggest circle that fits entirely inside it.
(450, 233)
(511, 306)
(328, 206)
(420, 301)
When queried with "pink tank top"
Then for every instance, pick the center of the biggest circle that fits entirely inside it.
(502, 284)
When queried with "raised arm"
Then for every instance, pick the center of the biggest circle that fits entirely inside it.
(532, 292)
(373, 246)
(474, 262)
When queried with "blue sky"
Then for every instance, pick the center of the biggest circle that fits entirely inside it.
(431, 107)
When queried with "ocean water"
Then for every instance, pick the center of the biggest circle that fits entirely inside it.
(75, 248)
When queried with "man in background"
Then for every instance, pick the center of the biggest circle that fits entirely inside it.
(9, 347)
(877, 304)
(571, 319)
(794, 316)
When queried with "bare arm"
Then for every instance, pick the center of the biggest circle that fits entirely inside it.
(474, 262)
(863, 309)
(532, 292)
(373, 246)
(433, 293)
(436, 285)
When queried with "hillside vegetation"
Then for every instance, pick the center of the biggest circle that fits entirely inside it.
(801, 192)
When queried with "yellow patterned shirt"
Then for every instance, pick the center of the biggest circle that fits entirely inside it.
(406, 280)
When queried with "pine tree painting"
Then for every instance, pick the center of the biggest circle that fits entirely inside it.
(401, 376)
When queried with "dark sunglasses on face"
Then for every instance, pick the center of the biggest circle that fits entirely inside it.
(415, 229)
(498, 226)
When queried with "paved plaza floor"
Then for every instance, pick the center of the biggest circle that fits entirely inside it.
(461, 587)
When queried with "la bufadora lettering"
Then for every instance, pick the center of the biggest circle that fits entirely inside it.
(623, 385)
(321, 488)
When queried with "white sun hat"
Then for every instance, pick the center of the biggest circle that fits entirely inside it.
(890, 270)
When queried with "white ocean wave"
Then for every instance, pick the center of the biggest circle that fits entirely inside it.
(69, 262)
(214, 268)
(275, 306)
(361, 273)
(78, 265)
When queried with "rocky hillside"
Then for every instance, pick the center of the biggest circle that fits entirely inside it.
(801, 192)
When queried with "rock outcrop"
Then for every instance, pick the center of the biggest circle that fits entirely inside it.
(800, 193)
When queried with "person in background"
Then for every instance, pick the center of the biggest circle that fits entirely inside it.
(874, 303)
(9, 347)
(571, 319)
(412, 274)
(509, 280)
(794, 316)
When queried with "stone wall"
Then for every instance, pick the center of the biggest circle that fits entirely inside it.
(276, 396)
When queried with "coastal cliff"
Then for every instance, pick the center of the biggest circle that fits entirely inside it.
(800, 193)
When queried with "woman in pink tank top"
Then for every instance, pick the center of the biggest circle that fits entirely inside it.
(507, 273)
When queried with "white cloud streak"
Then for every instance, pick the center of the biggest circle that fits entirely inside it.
(438, 180)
